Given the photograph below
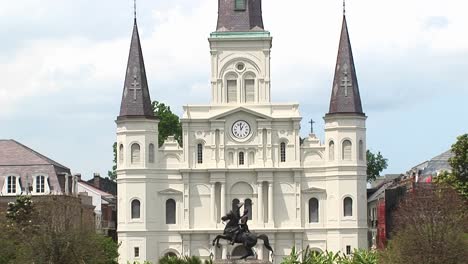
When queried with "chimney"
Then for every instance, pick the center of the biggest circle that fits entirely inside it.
(78, 175)
(97, 180)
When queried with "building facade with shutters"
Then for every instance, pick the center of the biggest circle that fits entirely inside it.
(241, 147)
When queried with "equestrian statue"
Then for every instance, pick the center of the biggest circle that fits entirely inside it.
(237, 231)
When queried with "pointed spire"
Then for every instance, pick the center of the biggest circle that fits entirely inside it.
(136, 101)
(345, 96)
(240, 15)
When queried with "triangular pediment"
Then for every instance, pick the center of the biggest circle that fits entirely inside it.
(314, 190)
(170, 191)
(241, 109)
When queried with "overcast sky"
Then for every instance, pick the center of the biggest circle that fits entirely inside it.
(62, 66)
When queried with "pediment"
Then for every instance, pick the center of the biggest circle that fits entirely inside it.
(241, 109)
(170, 191)
(314, 190)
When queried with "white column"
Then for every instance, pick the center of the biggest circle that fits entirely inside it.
(66, 183)
(213, 199)
(270, 204)
(223, 199)
(260, 204)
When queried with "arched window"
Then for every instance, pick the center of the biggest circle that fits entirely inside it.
(231, 84)
(249, 86)
(170, 212)
(11, 184)
(151, 153)
(135, 209)
(235, 202)
(348, 206)
(361, 150)
(313, 210)
(283, 152)
(231, 158)
(121, 153)
(135, 153)
(346, 151)
(331, 150)
(200, 153)
(240, 5)
(40, 184)
(241, 158)
(248, 206)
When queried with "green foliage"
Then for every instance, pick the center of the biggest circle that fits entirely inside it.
(182, 260)
(458, 178)
(113, 174)
(169, 123)
(376, 163)
(48, 231)
(429, 228)
(313, 257)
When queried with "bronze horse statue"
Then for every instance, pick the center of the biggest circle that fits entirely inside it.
(247, 239)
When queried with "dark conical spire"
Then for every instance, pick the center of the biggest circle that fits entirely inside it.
(345, 96)
(136, 101)
(240, 15)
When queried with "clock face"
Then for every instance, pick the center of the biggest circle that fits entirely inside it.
(241, 129)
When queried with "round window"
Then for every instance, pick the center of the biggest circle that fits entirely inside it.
(240, 66)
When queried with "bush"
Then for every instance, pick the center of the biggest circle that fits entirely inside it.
(311, 257)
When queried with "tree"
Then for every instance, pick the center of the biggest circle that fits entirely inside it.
(376, 163)
(52, 229)
(113, 174)
(169, 125)
(429, 226)
(458, 178)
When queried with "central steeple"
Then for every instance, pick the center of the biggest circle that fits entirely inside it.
(240, 15)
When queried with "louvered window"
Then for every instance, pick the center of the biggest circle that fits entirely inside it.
(121, 154)
(135, 153)
(232, 91)
(199, 153)
(240, 5)
(347, 146)
(241, 158)
(151, 153)
(348, 206)
(135, 209)
(283, 152)
(249, 91)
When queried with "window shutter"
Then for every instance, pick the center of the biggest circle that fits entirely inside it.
(240, 5)
(232, 91)
(249, 91)
(347, 150)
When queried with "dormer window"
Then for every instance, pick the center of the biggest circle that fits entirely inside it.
(240, 5)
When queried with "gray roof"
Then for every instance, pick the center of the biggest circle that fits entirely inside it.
(13, 153)
(136, 101)
(230, 19)
(345, 98)
(17, 159)
(438, 164)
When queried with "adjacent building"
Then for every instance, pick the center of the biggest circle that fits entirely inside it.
(241, 146)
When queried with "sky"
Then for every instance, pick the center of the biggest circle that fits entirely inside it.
(62, 66)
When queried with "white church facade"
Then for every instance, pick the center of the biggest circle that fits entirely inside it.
(241, 147)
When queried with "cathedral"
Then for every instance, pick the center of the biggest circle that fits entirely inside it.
(240, 147)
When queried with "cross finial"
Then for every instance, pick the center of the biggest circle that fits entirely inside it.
(344, 7)
(311, 122)
(134, 9)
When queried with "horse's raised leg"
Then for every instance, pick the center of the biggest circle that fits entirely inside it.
(249, 252)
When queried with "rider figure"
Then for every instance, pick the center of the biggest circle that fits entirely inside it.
(243, 227)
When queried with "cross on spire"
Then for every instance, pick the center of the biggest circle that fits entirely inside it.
(345, 83)
(311, 122)
(135, 87)
(344, 7)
